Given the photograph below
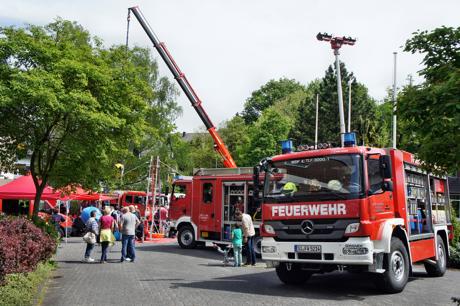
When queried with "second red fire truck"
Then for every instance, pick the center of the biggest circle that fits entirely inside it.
(202, 208)
(356, 208)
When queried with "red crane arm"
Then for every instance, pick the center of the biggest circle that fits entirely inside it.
(186, 88)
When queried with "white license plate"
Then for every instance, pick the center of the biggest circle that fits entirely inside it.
(307, 248)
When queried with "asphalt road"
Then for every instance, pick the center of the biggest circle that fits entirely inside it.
(164, 274)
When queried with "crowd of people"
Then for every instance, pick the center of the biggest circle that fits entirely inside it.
(127, 223)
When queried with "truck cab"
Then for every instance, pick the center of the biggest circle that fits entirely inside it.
(136, 198)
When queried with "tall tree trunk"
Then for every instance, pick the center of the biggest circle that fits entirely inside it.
(39, 185)
(38, 194)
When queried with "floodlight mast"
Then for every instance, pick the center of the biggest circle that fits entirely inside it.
(336, 44)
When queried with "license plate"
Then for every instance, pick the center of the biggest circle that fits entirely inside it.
(307, 248)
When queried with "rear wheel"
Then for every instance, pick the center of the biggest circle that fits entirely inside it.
(396, 263)
(292, 274)
(439, 268)
(186, 237)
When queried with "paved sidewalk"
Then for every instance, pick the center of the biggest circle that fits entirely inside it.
(165, 274)
(156, 278)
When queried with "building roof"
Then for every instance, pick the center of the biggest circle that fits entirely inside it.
(190, 136)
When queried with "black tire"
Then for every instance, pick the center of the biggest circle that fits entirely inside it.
(186, 237)
(258, 246)
(396, 264)
(441, 264)
(293, 276)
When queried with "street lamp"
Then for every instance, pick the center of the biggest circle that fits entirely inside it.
(349, 104)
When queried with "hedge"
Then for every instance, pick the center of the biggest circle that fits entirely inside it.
(22, 246)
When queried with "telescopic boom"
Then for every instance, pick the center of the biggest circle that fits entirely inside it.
(186, 87)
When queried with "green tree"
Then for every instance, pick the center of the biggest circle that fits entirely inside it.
(161, 113)
(288, 106)
(381, 129)
(65, 99)
(265, 136)
(363, 110)
(430, 112)
(267, 95)
(202, 152)
(235, 134)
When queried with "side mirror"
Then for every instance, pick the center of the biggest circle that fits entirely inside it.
(387, 186)
(385, 166)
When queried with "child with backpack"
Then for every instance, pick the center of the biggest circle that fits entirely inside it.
(237, 240)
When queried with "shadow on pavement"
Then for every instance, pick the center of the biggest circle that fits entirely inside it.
(332, 286)
(199, 252)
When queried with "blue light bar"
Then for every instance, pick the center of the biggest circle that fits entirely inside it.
(349, 139)
(286, 146)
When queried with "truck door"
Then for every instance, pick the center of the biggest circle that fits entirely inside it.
(380, 203)
(209, 221)
(180, 201)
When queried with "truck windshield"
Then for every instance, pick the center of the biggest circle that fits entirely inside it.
(317, 178)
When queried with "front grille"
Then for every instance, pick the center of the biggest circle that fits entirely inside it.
(332, 230)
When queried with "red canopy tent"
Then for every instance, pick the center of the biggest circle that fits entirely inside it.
(23, 188)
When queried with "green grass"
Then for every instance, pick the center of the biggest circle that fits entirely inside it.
(22, 289)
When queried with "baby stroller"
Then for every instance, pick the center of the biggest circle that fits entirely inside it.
(225, 250)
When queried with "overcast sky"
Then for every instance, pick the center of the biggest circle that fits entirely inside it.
(229, 48)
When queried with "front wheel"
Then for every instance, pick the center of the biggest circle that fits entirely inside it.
(396, 263)
(186, 237)
(292, 274)
(258, 246)
(439, 268)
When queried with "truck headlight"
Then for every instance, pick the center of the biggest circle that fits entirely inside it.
(269, 229)
(352, 228)
(268, 249)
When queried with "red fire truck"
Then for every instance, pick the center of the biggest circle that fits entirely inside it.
(139, 199)
(136, 198)
(202, 207)
(353, 208)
